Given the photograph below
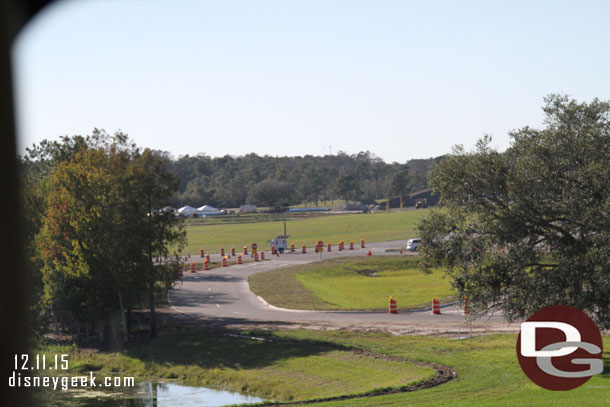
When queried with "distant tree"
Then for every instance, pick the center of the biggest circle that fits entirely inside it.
(270, 192)
(347, 186)
(530, 227)
(399, 183)
(311, 184)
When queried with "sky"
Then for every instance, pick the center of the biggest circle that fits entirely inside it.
(401, 79)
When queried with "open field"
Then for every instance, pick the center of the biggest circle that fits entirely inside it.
(306, 230)
(293, 365)
(352, 284)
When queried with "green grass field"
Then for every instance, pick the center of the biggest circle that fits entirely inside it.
(352, 284)
(294, 365)
(329, 228)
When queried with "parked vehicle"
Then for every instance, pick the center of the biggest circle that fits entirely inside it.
(412, 244)
(280, 243)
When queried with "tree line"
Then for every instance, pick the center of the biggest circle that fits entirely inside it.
(229, 182)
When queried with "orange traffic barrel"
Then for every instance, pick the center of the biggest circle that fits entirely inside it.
(362, 243)
(201, 252)
(222, 251)
(239, 259)
(232, 251)
(392, 309)
(206, 265)
(224, 261)
(329, 247)
(291, 247)
(436, 306)
(304, 249)
(351, 245)
(246, 250)
(263, 255)
(193, 267)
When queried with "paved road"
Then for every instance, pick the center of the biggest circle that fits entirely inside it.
(224, 293)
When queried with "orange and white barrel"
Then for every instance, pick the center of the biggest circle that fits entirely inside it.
(206, 265)
(246, 250)
(304, 249)
(239, 259)
(362, 243)
(262, 255)
(392, 308)
(329, 247)
(224, 261)
(222, 251)
(201, 253)
(193, 267)
(232, 251)
(436, 306)
(291, 247)
(351, 245)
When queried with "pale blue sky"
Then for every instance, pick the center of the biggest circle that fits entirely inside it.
(403, 79)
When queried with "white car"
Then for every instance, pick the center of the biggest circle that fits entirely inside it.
(413, 243)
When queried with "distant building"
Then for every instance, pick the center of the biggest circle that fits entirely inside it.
(247, 209)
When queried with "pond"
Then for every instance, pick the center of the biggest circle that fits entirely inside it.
(150, 394)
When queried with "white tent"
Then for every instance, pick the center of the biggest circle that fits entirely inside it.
(207, 209)
(187, 210)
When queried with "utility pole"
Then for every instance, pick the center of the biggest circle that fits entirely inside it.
(285, 222)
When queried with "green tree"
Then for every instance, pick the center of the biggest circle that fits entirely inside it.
(311, 184)
(530, 227)
(101, 231)
(270, 192)
(399, 183)
(151, 185)
(347, 186)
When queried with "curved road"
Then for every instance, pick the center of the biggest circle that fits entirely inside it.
(223, 295)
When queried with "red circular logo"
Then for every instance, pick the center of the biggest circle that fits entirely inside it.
(560, 348)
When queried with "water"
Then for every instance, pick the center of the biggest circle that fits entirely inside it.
(149, 394)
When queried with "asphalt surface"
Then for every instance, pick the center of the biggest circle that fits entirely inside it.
(224, 294)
